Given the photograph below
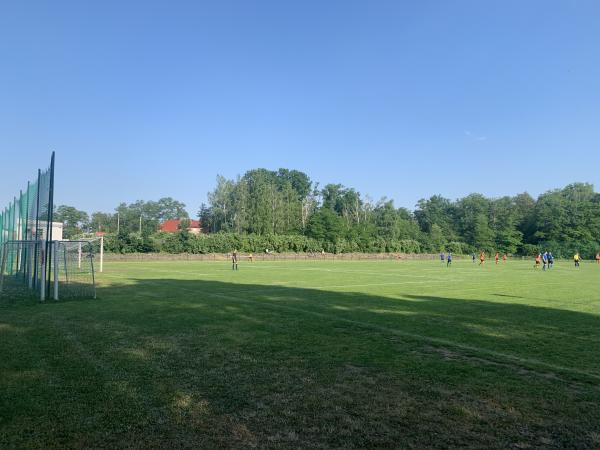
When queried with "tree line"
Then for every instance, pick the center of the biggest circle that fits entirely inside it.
(285, 210)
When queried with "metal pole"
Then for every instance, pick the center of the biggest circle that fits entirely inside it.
(50, 218)
(13, 238)
(65, 261)
(55, 257)
(79, 256)
(19, 236)
(91, 256)
(43, 273)
(101, 253)
(37, 226)
(29, 265)
(28, 252)
(3, 265)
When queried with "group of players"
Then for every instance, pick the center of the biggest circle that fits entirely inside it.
(482, 256)
(546, 259)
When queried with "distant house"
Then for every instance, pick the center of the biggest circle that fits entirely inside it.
(174, 225)
(57, 230)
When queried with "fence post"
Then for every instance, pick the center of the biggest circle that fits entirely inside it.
(31, 251)
(55, 262)
(43, 273)
(3, 265)
(101, 253)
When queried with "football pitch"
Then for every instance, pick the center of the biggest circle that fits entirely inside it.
(311, 354)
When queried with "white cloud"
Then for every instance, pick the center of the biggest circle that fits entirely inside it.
(475, 137)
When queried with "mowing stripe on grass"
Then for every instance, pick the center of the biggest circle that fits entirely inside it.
(529, 363)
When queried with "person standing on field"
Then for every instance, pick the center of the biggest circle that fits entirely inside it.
(482, 258)
(442, 257)
(597, 258)
(473, 257)
(234, 260)
(497, 257)
(538, 261)
(545, 260)
(504, 258)
(449, 260)
(576, 259)
(550, 260)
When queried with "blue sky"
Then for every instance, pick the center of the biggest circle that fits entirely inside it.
(142, 100)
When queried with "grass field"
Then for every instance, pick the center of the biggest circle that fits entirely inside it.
(308, 354)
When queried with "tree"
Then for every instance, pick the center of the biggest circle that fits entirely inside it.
(326, 226)
(104, 222)
(74, 221)
(437, 210)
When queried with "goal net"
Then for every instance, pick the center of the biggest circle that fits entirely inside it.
(65, 269)
(73, 268)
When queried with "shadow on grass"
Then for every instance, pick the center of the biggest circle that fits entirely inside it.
(564, 338)
(194, 363)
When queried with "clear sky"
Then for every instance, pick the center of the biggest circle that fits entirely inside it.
(145, 99)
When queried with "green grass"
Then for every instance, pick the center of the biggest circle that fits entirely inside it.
(308, 354)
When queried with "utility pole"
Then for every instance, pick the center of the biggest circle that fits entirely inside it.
(118, 223)
(140, 224)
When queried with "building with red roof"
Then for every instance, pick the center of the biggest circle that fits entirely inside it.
(174, 225)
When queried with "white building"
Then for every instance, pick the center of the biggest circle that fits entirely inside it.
(57, 230)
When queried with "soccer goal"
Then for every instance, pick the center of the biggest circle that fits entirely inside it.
(25, 269)
(73, 269)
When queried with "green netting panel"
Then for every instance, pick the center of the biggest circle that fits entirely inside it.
(22, 269)
(29, 218)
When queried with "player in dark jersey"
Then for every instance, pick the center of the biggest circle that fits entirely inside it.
(544, 260)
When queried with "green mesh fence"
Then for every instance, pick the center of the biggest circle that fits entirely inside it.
(26, 232)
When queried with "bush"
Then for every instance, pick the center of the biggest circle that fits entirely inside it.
(225, 242)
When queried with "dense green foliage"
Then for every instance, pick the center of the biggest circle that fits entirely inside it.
(317, 354)
(285, 211)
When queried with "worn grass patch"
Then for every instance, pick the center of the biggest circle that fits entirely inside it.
(307, 354)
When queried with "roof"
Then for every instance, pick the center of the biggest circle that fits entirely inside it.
(172, 225)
